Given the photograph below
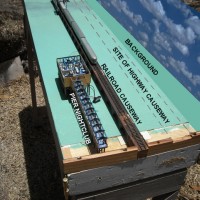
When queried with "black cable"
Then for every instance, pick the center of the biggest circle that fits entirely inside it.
(95, 99)
(92, 87)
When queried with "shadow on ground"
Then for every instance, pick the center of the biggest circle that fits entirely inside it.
(41, 159)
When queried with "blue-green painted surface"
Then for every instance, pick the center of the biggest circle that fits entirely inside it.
(52, 41)
(103, 41)
(181, 98)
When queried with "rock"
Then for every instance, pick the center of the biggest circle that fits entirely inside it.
(11, 70)
(25, 66)
(12, 41)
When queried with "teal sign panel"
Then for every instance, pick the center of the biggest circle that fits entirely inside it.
(179, 105)
(138, 79)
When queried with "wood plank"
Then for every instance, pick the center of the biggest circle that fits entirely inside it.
(115, 143)
(81, 150)
(133, 170)
(81, 160)
(98, 160)
(171, 132)
(168, 196)
(169, 144)
(141, 190)
(66, 152)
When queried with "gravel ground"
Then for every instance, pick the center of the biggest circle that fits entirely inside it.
(191, 189)
(28, 161)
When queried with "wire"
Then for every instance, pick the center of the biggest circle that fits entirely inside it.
(95, 99)
(92, 87)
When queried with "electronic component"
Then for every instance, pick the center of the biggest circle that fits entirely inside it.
(73, 68)
(92, 120)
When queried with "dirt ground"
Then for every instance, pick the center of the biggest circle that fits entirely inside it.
(11, 29)
(28, 161)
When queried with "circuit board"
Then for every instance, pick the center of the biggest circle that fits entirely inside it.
(72, 68)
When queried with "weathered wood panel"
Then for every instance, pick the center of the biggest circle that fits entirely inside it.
(142, 190)
(127, 172)
(168, 196)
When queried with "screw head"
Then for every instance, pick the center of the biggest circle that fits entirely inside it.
(65, 180)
